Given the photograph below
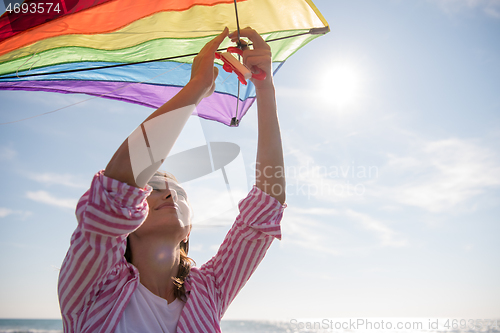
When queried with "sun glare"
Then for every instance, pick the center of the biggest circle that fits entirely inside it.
(341, 85)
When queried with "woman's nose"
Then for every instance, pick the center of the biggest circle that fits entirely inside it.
(173, 193)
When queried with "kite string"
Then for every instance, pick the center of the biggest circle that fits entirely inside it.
(234, 121)
(230, 74)
(91, 98)
(17, 71)
(237, 23)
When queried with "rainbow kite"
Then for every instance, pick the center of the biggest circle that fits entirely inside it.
(141, 51)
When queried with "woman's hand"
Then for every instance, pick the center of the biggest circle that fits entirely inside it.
(269, 172)
(258, 58)
(203, 72)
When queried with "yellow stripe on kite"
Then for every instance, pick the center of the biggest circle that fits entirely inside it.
(263, 15)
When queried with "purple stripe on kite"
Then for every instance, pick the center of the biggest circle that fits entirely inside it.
(219, 107)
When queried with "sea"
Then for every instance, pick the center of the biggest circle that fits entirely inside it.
(260, 326)
(55, 326)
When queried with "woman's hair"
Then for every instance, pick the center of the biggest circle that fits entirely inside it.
(185, 262)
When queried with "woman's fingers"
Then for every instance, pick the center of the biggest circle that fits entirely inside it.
(257, 59)
(214, 44)
(257, 40)
(241, 42)
(202, 69)
(260, 56)
(261, 59)
(257, 53)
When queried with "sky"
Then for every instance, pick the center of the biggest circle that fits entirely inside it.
(390, 126)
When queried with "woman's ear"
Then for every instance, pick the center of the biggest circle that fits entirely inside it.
(189, 233)
(185, 240)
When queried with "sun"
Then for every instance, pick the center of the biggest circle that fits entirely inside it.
(341, 85)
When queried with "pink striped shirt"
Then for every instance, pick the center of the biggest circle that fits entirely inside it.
(96, 282)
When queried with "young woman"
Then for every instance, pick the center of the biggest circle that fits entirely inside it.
(127, 268)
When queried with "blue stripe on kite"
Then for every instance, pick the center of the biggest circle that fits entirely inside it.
(159, 73)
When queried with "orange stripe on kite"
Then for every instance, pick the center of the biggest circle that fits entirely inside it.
(13, 23)
(104, 18)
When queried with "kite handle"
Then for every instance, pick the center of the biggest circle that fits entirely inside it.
(236, 50)
(260, 75)
(231, 64)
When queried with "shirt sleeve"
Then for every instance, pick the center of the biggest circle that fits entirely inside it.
(106, 214)
(244, 246)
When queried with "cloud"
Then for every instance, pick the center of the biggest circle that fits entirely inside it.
(302, 230)
(47, 198)
(309, 228)
(489, 7)
(214, 248)
(435, 175)
(493, 11)
(7, 153)
(469, 247)
(438, 176)
(328, 182)
(59, 179)
(4, 212)
(441, 175)
(316, 211)
(387, 236)
(197, 247)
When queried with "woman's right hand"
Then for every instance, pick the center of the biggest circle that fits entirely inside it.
(258, 58)
(203, 71)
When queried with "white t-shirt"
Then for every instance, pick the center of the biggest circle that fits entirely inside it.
(147, 312)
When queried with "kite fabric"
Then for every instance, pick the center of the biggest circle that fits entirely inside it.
(141, 51)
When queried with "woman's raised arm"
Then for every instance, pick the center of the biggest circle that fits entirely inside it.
(142, 153)
(269, 172)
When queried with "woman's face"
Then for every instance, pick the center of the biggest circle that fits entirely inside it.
(169, 209)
